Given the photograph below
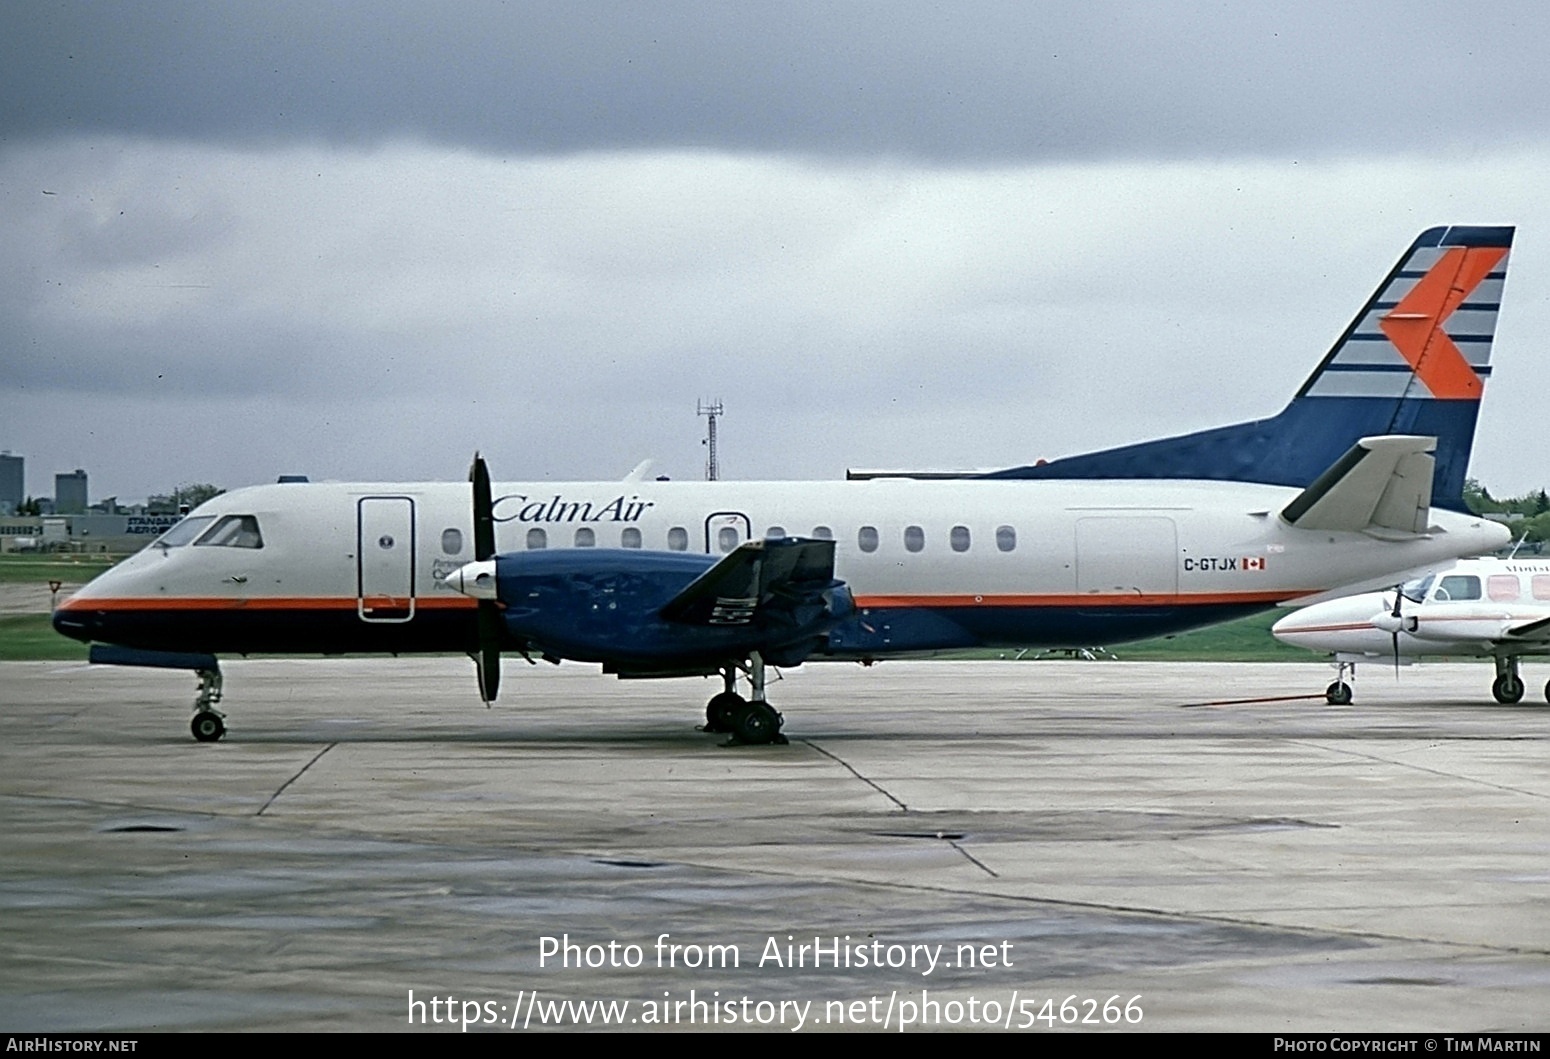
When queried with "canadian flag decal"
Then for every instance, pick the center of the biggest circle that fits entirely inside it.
(1254, 562)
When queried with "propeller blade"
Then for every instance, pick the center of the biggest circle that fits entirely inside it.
(484, 510)
(488, 658)
(1398, 595)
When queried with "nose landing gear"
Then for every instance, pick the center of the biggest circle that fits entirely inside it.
(208, 725)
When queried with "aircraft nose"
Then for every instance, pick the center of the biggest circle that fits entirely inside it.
(1333, 625)
(73, 624)
(475, 579)
(1290, 625)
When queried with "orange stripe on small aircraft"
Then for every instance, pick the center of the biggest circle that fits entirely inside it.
(1415, 325)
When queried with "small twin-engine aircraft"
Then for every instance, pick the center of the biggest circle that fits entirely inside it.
(658, 578)
(1492, 608)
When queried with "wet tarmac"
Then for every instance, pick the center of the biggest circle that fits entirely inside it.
(369, 841)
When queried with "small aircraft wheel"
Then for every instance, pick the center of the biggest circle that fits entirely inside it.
(1547, 691)
(719, 711)
(207, 726)
(1338, 694)
(756, 723)
(1507, 689)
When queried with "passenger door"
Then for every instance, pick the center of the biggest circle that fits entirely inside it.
(725, 530)
(384, 556)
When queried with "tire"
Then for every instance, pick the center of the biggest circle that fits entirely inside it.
(756, 723)
(1508, 689)
(207, 726)
(720, 710)
(1338, 694)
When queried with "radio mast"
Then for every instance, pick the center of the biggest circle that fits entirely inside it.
(710, 410)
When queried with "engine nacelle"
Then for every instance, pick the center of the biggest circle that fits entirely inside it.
(606, 605)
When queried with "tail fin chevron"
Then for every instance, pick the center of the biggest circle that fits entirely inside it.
(1427, 331)
(1414, 361)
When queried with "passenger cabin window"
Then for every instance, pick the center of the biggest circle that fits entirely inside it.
(586, 538)
(866, 539)
(775, 532)
(1459, 587)
(823, 533)
(233, 531)
(914, 538)
(629, 537)
(1502, 588)
(451, 541)
(959, 538)
(678, 539)
(727, 538)
(1541, 584)
(184, 531)
(1006, 538)
(537, 538)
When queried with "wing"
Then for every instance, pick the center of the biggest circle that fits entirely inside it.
(1533, 630)
(765, 580)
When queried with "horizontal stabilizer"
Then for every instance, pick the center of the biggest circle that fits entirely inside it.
(1381, 483)
(730, 592)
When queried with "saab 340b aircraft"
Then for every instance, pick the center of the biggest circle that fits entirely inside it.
(1357, 480)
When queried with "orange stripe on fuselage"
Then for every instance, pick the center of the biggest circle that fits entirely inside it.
(173, 603)
(1091, 599)
(881, 602)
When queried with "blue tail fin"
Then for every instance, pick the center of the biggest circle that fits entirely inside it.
(1413, 361)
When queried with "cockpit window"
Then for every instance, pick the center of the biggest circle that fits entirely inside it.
(233, 531)
(1459, 587)
(184, 531)
(1415, 591)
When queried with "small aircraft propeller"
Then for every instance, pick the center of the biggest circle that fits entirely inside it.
(1398, 620)
(1394, 622)
(488, 658)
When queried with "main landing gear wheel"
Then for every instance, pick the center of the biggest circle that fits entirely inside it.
(756, 723)
(1547, 691)
(1508, 689)
(720, 710)
(1338, 694)
(207, 726)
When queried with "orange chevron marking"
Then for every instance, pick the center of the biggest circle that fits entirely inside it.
(1415, 324)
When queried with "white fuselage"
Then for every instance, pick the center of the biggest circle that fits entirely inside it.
(331, 567)
(1469, 608)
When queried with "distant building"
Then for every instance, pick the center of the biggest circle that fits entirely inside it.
(13, 483)
(70, 493)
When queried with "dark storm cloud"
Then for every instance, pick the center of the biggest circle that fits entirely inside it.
(984, 81)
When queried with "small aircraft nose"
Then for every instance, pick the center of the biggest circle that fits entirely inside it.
(474, 579)
(1294, 623)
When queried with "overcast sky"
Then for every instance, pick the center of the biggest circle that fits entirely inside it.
(361, 240)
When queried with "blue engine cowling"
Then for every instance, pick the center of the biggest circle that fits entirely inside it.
(606, 605)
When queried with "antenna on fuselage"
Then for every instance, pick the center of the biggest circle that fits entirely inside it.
(710, 410)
